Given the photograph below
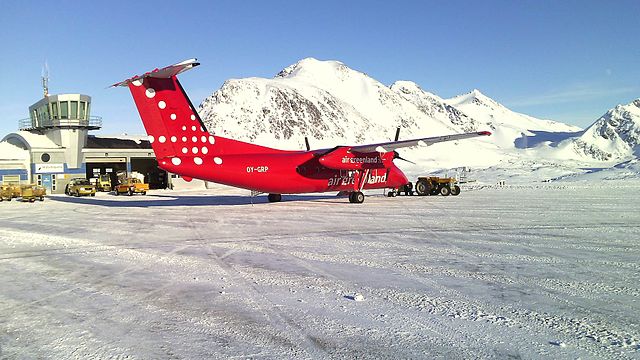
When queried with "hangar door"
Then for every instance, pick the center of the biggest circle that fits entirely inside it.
(111, 166)
(154, 176)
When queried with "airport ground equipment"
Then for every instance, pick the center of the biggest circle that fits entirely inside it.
(6, 193)
(27, 194)
(103, 182)
(131, 186)
(428, 185)
(39, 192)
(15, 190)
(433, 185)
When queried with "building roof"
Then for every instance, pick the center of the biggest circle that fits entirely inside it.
(29, 140)
(9, 152)
(124, 142)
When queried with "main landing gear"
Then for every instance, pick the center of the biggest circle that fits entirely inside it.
(274, 197)
(356, 197)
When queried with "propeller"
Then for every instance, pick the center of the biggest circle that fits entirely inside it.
(396, 155)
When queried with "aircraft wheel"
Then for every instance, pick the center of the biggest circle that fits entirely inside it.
(455, 190)
(116, 193)
(130, 192)
(274, 197)
(422, 188)
(445, 191)
(77, 194)
(356, 197)
(391, 194)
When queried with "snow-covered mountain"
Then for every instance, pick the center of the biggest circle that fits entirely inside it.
(510, 128)
(434, 107)
(333, 104)
(615, 135)
(324, 100)
(329, 102)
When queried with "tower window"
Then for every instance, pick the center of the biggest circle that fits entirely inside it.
(83, 106)
(64, 109)
(54, 110)
(74, 110)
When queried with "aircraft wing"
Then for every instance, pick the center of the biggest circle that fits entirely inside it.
(393, 145)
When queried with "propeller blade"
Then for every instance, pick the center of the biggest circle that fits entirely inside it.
(397, 156)
(409, 161)
(397, 134)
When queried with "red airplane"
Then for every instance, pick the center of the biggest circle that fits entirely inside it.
(183, 146)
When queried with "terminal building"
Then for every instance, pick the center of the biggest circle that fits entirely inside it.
(54, 146)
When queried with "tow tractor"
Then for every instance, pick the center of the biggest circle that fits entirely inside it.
(429, 185)
(103, 182)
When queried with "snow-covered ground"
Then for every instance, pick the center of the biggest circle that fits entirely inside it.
(547, 271)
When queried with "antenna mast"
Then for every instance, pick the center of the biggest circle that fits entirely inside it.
(45, 79)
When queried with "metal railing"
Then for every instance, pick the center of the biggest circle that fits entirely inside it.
(93, 123)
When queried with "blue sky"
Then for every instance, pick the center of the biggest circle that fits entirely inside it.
(565, 60)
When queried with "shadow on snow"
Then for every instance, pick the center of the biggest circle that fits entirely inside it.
(539, 137)
(182, 200)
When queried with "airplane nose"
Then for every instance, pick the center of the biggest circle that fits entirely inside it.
(397, 178)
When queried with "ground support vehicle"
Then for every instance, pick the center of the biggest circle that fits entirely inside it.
(5, 193)
(103, 182)
(80, 187)
(27, 194)
(131, 186)
(15, 190)
(407, 189)
(433, 185)
(39, 192)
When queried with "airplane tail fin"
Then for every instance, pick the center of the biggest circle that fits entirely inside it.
(172, 124)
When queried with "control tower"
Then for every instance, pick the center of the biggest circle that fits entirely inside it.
(65, 119)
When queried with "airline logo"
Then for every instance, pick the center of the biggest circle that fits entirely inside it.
(350, 180)
(361, 160)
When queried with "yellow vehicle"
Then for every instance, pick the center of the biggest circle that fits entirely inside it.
(131, 186)
(15, 190)
(6, 193)
(80, 187)
(103, 182)
(433, 185)
(39, 192)
(27, 193)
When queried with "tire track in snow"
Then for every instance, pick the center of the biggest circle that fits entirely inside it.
(257, 300)
(601, 338)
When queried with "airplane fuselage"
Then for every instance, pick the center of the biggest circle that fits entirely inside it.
(288, 172)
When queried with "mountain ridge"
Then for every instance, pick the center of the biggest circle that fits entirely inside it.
(332, 104)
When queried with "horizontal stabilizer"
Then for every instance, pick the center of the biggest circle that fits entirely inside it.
(165, 72)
